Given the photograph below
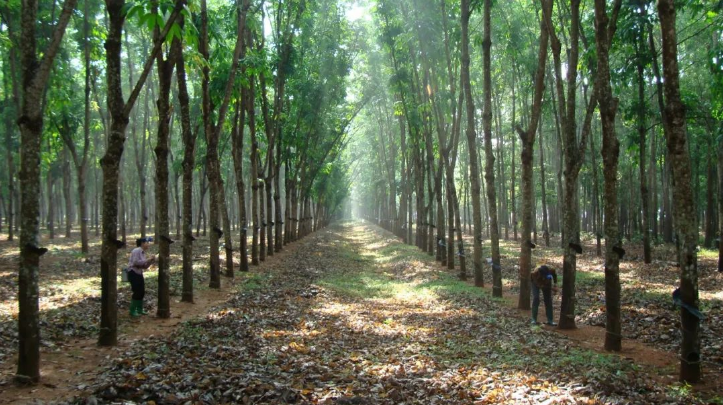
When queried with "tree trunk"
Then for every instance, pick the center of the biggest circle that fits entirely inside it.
(122, 210)
(446, 257)
(545, 225)
(269, 222)
(212, 131)
(667, 214)
(238, 147)
(177, 204)
(642, 132)
(404, 226)
(50, 219)
(30, 120)
(501, 169)
(10, 107)
(653, 182)
(11, 169)
(140, 161)
(710, 210)
(96, 201)
(514, 177)
(82, 169)
(262, 213)
(211, 155)
(472, 149)
(595, 197)
(288, 203)
(489, 162)
(560, 165)
(528, 140)
(720, 206)
(571, 218)
(278, 215)
(189, 145)
(226, 223)
(110, 163)
(610, 151)
(684, 210)
(201, 213)
(165, 76)
(255, 179)
(66, 194)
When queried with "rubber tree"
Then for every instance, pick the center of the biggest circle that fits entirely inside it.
(164, 66)
(684, 208)
(188, 135)
(610, 151)
(471, 147)
(35, 76)
(573, 158)
(527, 138)
(212, 131)
(573, 152)
(489, 156)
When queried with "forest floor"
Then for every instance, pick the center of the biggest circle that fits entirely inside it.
(350, 315)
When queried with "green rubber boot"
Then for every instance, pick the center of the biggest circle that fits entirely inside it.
(139, 308)
(534, 315)
(133, 309)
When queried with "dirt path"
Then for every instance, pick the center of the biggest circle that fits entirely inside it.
(350, 315)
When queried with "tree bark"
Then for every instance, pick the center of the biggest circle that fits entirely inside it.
(35, 75)
(262, 213)
(653, 183)
(513, 187)
(83, 167)
(571, 218)
(140, 161)
(255, 179)
(238, 147)
(212, 131)
(527, 138)
(684, 208)
(610, 151)
(203, 187)
(226, 221)
(50, 218)
(9, 214)
(11, 101)
(710, 209)
(667, 214)
(545, 224)
(595, 197)
(489, 161)
(189, 145)
(720, 206)
(165, 75)
(642, 133)
(472, 148)
(66, 194)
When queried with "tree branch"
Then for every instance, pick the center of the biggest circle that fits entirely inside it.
(234, 65)
(41, 76)
(151, 59)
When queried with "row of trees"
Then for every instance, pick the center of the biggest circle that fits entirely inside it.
(569, 82)
(191, 82)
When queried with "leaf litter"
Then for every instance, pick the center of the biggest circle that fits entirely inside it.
(355, 325)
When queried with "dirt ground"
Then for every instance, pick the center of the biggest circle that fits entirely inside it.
(71, 360)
